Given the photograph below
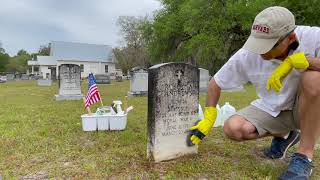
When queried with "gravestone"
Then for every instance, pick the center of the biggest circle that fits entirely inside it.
(53, 73)
(44, 82)
(69, 83)
(10, 77)
(102, 79)
(138, 82)
(173, 101)
(3, 79)
(24, 77)
(119, 78)
(204, 80)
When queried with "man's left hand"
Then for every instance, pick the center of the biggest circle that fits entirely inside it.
(298, 61)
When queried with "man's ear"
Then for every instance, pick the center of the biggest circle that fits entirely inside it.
(292, 37)
(293, 40)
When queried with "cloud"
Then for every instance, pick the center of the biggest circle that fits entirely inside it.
(29, 24)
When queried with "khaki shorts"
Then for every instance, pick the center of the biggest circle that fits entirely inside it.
(267, 124)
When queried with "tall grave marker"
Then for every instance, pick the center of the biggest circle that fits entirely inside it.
(173, 98)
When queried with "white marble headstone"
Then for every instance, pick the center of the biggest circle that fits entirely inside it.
(139, 83)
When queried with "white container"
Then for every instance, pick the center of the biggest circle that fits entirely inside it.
(103, 121)
(200, 113)
(117, 122)
(89, 123)
(226, 111)
(218, 121)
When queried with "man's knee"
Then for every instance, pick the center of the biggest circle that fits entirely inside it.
(235, 128)
(310, 84)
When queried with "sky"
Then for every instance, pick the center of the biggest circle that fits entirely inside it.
(28, 24)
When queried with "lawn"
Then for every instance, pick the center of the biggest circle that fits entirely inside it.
(42, 137)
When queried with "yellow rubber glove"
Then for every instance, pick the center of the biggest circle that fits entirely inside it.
(204, 126)
(298, 61)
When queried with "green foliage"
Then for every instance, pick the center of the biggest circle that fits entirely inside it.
(19, 62)
(134, 52)
(207, 32)
(44, 50)
(4, 60)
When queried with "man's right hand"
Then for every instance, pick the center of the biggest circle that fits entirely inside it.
(204, 126)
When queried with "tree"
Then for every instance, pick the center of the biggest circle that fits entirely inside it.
(22, 52)
(4, 60)
(207, 32)
(44, 50)
(202, 32)
(18, 63)
(133, 53)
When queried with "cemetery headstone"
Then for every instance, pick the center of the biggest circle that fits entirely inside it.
(69, 83)
(173, 101)
(138, 82)
(24, 77)
(44, 82)
(10, 77)
(102, 79)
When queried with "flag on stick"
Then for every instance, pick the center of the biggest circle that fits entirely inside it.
(93, 94)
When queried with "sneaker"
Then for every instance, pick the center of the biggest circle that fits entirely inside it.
(279, 146)
(299, 168)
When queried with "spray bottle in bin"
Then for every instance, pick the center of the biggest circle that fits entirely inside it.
(116, 107)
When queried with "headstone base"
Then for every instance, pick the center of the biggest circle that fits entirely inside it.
(138, 93)
(44, 82)
(68, 97)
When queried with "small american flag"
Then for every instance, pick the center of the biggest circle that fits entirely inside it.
(93, 94)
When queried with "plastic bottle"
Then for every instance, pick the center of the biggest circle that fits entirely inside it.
(200, 114)
(217, 123)
(226, 111)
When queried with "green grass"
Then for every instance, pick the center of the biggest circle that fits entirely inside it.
(39, 134)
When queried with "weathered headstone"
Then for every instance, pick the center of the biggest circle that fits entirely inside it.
(102, 79)
(204, 80)
(138, 82)
(69, 83)
(173, 101)
(44, 82)
(24, 77)
(53, 73)
(10, 77)
(118, 78)
(3, 79)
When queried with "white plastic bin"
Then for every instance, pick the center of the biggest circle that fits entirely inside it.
(89, 123)
(103, 121)
(117, 122)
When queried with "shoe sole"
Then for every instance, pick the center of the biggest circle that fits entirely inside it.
(285, 151)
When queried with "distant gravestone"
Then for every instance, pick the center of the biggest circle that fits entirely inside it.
(24, 77)
(204, 80)
(10, 77)
(138, 82)
(102, 79)
(44, 82)
(173, 101)
(69, 83)
(118, 78)
(53, 73)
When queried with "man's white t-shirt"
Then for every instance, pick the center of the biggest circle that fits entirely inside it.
(245, 66)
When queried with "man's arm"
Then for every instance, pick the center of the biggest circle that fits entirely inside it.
(204, 126)
(314, 63)
(213, 94)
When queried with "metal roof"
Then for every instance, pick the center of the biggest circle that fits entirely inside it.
(71, 51)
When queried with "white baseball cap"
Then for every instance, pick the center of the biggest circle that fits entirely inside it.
(268, 27)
